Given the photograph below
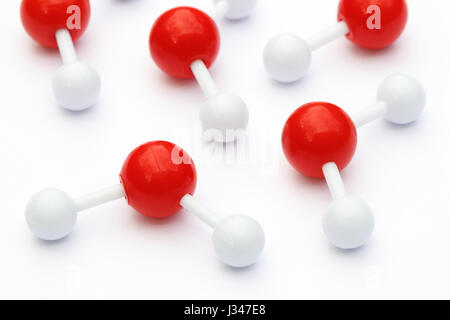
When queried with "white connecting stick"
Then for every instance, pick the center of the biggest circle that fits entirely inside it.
(348, 222)
(238, 240)
(401, 100)
(76, 85)
(287, 57)
(327, 36)
(224, 113)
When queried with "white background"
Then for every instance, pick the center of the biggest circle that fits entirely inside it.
(403, 172)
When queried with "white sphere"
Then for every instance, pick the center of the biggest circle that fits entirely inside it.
(404, 97)
(51, 214)
(348, 223)
(76, 86)
(238, 9)
(225, 115)
(287, 58)
(239, 241)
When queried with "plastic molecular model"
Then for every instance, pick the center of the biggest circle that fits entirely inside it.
(158, 179)
(371, 24)
(57, 24)
(184, 43)
(319, 140)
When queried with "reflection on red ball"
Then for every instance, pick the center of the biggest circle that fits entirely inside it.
(42, 18)
(393, 15)
(181, 36)
(156, 176)
(318, 133)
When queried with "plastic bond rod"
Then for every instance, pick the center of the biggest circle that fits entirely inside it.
(221, 9)
(204, 79)
(65, 45)
(370, 114)
(206, 215)
(329, 35)
(100, 197)
(334, 180)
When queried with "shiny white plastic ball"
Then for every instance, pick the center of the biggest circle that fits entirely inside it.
(287, 58)
(76, 86)
(239, 241)
(51, 214)
(404, 97)
(348, 223)
(239, 9)
(226, 114)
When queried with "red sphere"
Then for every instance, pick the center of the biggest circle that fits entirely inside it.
(42, 18)
(318, 133)
(181, 36)
(374, 24)
(156, 176)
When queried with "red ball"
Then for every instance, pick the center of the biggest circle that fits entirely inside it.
(359, 15)
(156, 176)
(318, 133)
(42, 18)
(181, 36)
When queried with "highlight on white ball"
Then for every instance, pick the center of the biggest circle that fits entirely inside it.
(76, 86)
(238, 241)
(404, 97)
(51, 214)
(237, 9)
(225, 113)
(287, 58)
(348, 223)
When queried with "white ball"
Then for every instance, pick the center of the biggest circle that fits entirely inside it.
(287, 58)
(405, 98)
(224, 117)
(51, 214)
(239, 9)
(239, 241)
(348, 223)
(76, 86)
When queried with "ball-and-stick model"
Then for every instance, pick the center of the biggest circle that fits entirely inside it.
(158, 179)
(184, 43)
(371, 24)
(234, 9)
(319, 140)
(57, 24)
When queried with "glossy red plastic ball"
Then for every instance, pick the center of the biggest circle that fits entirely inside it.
(181, 36)
(374, 24)
(318, 133)
(42, 18)
(156, 176)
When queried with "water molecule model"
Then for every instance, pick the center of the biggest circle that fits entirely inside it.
(184, 43)
(371, 24)
(319, 140)
(57, 24)
(158, 179)
(234, 9)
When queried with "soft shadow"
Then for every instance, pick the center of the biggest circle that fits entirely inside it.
(239, 271)
(41, 51)
(176, 82)
(151, 222)
(349, 253)
(392, 126)
(280, 84)
(363, 52)
(55, 243)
